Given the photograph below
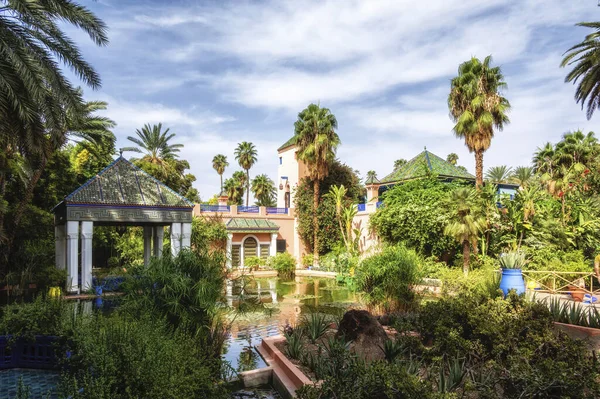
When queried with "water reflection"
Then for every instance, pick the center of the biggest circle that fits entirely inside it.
(267, 305)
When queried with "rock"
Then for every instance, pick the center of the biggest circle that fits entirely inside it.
(365, 332)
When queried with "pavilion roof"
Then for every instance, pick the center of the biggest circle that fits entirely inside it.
(123, 183)
(250, 225)
(424, 164)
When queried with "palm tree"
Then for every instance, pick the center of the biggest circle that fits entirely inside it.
(522, 176)
(465, 224)
(317, 143)
(371, 176)
(264, 190)
(241, 184)
(544, 159)
(585, 58)
(81, 124)
(576, 147)
(35, 94)
(498, 174)
(477, 107)
(155, 144)
(338, 195)
(245, 154)
(219, 163)
(398, 163)
(452, 158)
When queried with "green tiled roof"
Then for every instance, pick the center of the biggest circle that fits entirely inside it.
(372, 180)
(123, 183)
(288, 143)
(423, 164)
(248, 225)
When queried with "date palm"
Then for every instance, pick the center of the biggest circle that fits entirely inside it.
(264, 190)
(317, 143)
(35, 94)
(219, 163)
(522, 176)
(398, 163)
(466, 224)
(576, 147)
(544, 159)
(585, 60)
(155, 144)
(452, 158)
(498, 174)
(245, 154)
(477, 107)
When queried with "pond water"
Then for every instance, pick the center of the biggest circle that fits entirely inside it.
(266, 305)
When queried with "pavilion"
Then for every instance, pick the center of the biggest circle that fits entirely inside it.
(120, 195)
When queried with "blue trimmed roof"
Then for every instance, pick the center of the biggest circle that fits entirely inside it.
(123, 183)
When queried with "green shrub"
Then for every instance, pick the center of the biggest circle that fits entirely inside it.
(315, 325)
(43, 316)
(339, 261)
(253, 262)
(552, 258)
(121, 357)
(387, 278)
(284, 263)
(307, 260)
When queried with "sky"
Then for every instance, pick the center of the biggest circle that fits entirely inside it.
(221, 72)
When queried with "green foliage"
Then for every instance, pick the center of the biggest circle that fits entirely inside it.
(209, 235)
(172, 172)
(284, 263)
(253, 262)
(572, 312)
(184, 290)
(307, 260)
(414, 214)
(513, 260)
(315, 325)
(339, 261)
(328, 231)
(122, 357)
(387, 278)
(43, 316)
(294, 347)
(552, 258)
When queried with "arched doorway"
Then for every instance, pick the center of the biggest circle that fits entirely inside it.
(250, 248)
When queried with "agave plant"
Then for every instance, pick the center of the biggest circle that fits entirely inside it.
(315, 325)
(294, 346)
(512, 260)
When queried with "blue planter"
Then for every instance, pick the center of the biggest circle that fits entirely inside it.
(512, 279)
(98, 289)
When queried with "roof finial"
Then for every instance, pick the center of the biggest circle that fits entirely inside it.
(425, 147)
(120, 152)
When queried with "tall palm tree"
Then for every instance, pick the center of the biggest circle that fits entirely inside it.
(245, 154)
(398, 163)
(522, 176)
(477, 107)
(452, 158)
(498, 174)
(219, 163)
(154, 143)
(544, 159)
(465, 224)
(371, 175)
(316, 142)
(585, 59)
(264, 190)
(576, 147)
(241, 184)
(35, 94)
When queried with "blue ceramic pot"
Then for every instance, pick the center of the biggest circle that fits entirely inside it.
(98, 289)
(512, 279)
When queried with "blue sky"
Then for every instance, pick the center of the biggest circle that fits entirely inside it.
(219, 72)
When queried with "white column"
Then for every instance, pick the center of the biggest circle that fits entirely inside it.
(175, 238)
(87, 232)
(60, 246)
(159, 235)
(229, 292)
(186, 235)
(229, 249)
(273, 247)
(147, 244)
(72, 261)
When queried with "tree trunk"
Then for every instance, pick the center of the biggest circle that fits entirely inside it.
(466, 256)
(247, 186)
(26, 199)
(221, 176)
(315, 222)
(478, 168)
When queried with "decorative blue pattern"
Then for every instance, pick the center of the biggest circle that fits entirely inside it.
(277, 211)
(38, 354)
(361, 207)
(248, 209)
